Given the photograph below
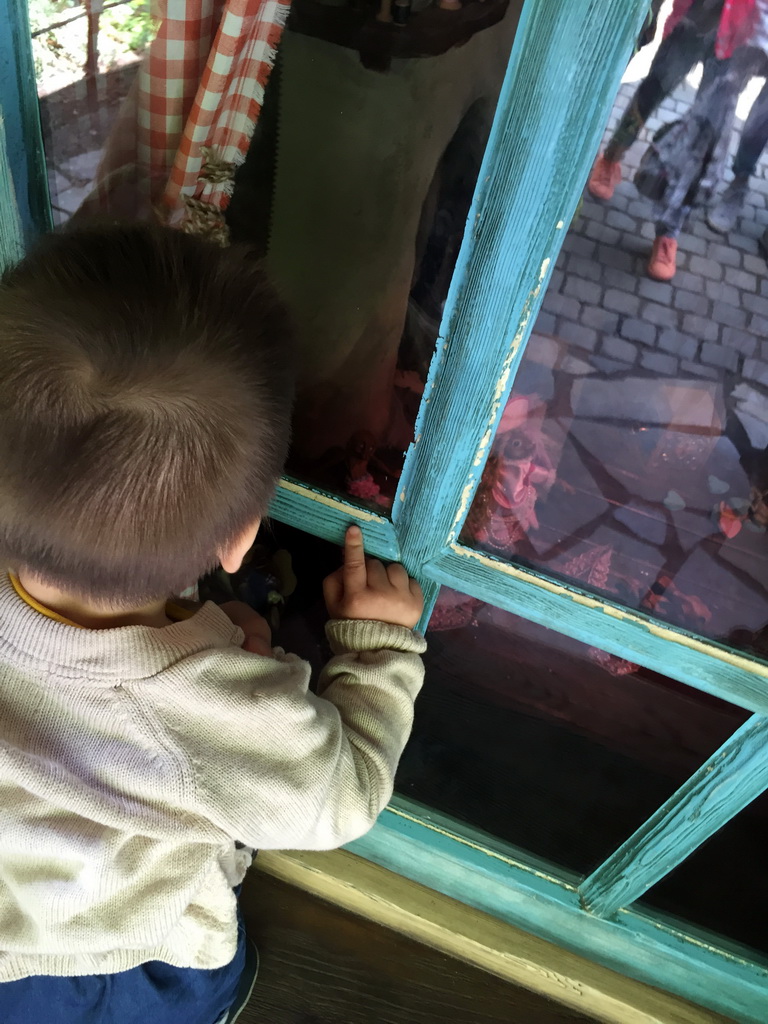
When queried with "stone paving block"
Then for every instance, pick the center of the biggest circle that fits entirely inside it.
(732, 316)
(764, 350)
(683, 261)
(741, 279)
(561, 305)
(724, 254)
(690, 302)
(83, 166)
(615, 258)
(619, 203)
(647, 231)
(658, 362)
(545, 323)
(641, 209)
(692, 244)
(722, 292)
(708, 268)
(638, 330)
(625, 188)
(616, 348)
(699, 370)
(593, 209)
(633, 242)
(620, 221)
(756, 369)
(717, 355)
(754, 264)
(745, 243)
(678, 344)
(575, 243)
(608, 365)
(702, 230)
(577, 334)
(589, 269)
(749, 211)
(613, 278)
(662, 316)
(759, 325)
(700, 327)
(584, 291)
(556, 281)
(684, 279)
(601, 233)
(742, 341)
(621, 302)
(656, 291)
(749, 229)
(600, 319)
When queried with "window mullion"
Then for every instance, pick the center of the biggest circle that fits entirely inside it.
(735, 775)
(565, 67)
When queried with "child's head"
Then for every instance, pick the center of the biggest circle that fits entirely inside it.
(145, 391)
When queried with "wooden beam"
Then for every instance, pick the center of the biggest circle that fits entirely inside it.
(327, 515)
(637, 636)
(733, 777)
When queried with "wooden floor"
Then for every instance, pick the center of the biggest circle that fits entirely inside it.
(323, 965)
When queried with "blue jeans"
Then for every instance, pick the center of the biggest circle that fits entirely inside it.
(154, 993)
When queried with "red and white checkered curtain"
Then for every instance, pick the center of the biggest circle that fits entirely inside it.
(188, 121)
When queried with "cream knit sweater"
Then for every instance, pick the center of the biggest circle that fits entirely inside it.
(132, 758)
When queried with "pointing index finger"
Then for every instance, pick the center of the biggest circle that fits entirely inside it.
(355, 573)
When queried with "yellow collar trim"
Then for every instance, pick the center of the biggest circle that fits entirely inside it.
(175, 612)
(47, 612)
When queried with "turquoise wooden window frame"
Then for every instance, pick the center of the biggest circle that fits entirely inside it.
(562, 78)
(23, 138)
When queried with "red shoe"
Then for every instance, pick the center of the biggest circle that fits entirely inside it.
(663, 262)
(605, 176)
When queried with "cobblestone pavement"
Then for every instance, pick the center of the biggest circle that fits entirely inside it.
(710, 321)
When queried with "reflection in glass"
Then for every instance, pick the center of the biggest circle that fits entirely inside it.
(86, 61)
(632, 457)
(530, 736)
(715, 887)
(355, 186)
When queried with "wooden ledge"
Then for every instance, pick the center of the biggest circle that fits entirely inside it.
(429, 917)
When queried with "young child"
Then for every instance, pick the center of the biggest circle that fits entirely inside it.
(145, 388)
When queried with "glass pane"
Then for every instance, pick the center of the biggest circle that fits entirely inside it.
(632, 456)
(717, 887)
(355, 186)
(86, 61)
(553, 746)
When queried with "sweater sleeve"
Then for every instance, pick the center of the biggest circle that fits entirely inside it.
(277, 767)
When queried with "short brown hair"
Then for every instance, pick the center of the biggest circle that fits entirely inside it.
(145, 390)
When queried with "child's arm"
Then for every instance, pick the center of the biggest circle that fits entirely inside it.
(277, 766)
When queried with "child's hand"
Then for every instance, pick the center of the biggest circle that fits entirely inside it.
(364, 589)
(258, 635)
